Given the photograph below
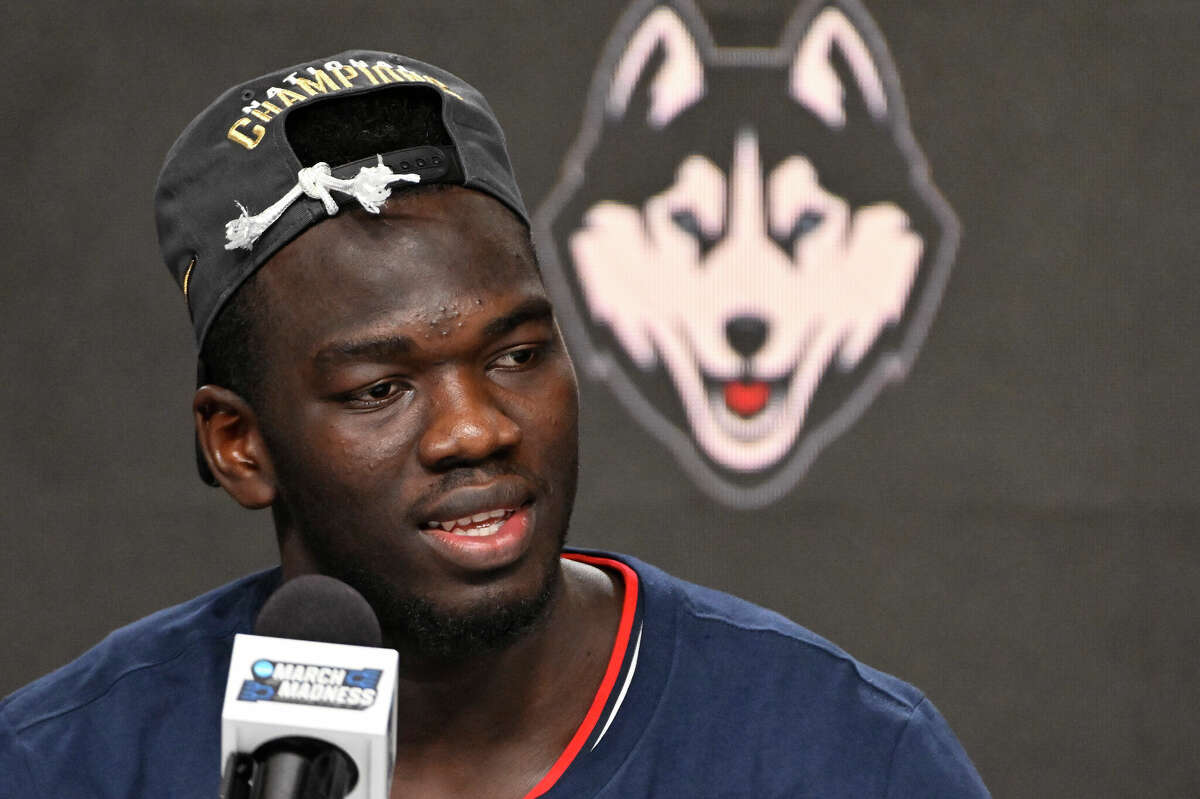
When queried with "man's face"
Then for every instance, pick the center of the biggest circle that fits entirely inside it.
(417, 382)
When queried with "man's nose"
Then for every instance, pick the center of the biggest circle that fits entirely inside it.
(465, 425)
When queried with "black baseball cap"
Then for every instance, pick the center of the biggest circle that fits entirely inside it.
(234, 189)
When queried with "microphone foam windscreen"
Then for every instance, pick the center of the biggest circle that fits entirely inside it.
(314, 607)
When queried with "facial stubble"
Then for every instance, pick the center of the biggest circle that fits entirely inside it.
(416, 624)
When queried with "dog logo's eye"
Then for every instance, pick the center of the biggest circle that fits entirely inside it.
(806, 223)
(687, 221)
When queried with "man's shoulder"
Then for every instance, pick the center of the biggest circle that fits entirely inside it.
(735, 629)
(139, 652)
(774, 703)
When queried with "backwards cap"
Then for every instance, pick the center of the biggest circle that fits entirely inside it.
(234, 190)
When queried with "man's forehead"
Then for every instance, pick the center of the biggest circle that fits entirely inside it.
(434, 260)
(443, 237)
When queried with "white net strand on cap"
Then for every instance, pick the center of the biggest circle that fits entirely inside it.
(371, 186)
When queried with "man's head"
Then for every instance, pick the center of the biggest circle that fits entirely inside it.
(391, 384)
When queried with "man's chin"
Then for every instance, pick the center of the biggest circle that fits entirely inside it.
(422, 629)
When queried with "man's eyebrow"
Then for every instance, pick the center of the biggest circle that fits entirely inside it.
(375, 349)
(536, 309)
(389, 347)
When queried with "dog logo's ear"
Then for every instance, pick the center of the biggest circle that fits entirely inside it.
(833, 72)
(660, 73)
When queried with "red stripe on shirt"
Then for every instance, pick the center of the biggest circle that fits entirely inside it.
(628, 606)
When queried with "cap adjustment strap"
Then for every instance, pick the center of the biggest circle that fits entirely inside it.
(371, 186)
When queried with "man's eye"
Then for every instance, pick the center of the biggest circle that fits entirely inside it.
(376, 394)
(515, 359)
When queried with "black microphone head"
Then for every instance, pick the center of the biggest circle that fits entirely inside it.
(314, 607)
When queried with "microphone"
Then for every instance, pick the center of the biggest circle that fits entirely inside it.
(309, 707)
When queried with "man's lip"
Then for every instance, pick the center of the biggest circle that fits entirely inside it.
(503, 493)
(500, 549)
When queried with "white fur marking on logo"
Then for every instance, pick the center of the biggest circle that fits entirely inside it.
(846, 279)
(678, 83)
(813, 80)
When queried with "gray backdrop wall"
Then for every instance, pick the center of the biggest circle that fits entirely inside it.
(1012, 527)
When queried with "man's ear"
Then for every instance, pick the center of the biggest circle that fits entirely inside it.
(230, 438)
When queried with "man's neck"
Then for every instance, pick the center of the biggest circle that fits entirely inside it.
(501, 719)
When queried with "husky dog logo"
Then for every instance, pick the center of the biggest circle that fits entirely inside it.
(746, 242)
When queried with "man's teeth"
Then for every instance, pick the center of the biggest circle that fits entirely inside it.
(471, 525)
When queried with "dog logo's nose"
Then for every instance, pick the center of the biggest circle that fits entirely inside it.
(746, 334)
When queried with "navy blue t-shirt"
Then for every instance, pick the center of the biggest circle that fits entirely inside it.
(715, 697)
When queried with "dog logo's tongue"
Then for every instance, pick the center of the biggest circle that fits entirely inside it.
(746, 399)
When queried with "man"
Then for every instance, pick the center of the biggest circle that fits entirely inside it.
(381, 368)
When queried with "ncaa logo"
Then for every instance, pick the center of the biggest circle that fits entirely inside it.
(745, 244)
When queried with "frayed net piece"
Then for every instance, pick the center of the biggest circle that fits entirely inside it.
(371, 186)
